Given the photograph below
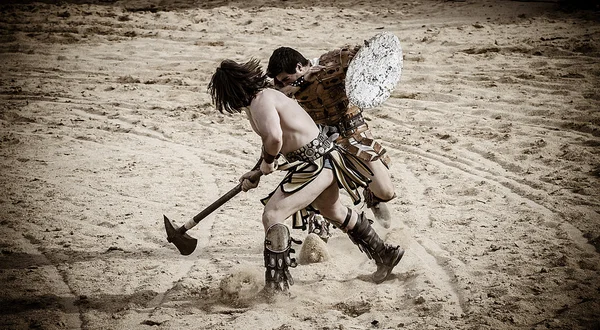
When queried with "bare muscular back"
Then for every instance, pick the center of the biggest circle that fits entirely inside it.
(273, 114)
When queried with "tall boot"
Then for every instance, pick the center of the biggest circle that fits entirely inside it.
(386, 256)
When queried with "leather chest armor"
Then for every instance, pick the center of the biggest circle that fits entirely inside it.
(325, 99)
(326, 102)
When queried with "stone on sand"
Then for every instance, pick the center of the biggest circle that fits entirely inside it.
(313, 250)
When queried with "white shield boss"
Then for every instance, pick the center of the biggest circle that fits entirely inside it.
(374, 71)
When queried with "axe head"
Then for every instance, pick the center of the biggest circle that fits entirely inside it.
(183, 242)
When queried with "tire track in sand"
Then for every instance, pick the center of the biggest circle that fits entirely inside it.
(436, 263)
(515, 187)
(37, 266)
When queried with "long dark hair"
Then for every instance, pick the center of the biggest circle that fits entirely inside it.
(284, 59)
(234, 85)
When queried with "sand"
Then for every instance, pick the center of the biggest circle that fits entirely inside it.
(493, 131)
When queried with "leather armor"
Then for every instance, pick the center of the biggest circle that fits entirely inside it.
(325, 99)
(326, 102)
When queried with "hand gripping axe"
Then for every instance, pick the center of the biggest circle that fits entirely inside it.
(184, 242)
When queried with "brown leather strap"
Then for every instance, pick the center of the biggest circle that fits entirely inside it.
(268, 158)
(347, 220)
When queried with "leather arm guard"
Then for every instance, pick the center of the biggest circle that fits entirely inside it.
(277, 258)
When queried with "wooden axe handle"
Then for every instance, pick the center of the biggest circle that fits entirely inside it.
(222, 200)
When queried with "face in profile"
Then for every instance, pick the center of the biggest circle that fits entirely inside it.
(285, 79)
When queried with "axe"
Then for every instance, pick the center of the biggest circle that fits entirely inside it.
(184, 242)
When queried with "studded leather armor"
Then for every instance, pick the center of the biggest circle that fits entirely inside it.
(326, 102)
(325, 99)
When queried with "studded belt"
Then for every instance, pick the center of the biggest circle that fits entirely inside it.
(313, 150)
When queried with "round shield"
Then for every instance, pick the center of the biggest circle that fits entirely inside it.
(374, 71)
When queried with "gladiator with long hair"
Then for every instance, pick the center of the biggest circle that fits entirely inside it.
(233, 86)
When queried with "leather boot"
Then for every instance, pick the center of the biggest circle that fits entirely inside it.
(386, 256)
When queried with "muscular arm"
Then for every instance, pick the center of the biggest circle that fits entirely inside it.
(265, 121)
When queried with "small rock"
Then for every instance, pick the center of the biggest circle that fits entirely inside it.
(313, 250)
(419, 300)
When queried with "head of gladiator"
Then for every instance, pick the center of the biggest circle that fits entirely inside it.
(234, 85)
(286, 65)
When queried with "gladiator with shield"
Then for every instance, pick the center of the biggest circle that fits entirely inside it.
(319, 86)
(316, 166)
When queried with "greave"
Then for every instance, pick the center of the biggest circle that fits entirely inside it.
(386, 256)
(367, 239)
(319, 226)
(277, 258)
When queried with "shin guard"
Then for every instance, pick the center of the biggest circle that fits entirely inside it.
(386, 256)
(277, 258)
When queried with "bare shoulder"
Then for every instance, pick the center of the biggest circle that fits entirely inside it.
(264, 95)
(271, 93)
(261, 98)
(266, 99)
(271, 96)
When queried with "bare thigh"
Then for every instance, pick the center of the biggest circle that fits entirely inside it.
(282, 205)
(329, 205)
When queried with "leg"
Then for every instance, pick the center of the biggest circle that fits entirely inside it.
(381, 185)
(277, 247)
(328, 203)
(361, 232)
(282, 205)
(379, 191)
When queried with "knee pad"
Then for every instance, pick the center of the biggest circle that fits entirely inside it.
(277, 238)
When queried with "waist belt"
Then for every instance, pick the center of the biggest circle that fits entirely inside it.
(313, 150)
(347, 126)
